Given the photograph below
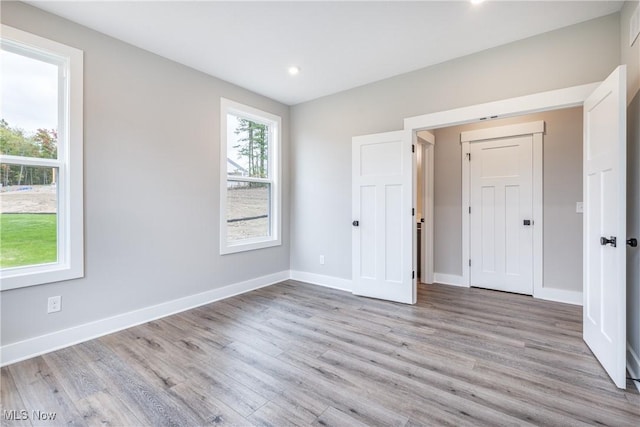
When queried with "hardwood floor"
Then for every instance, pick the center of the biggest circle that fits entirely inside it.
(297, 354)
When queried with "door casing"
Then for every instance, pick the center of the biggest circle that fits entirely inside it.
(425, 143)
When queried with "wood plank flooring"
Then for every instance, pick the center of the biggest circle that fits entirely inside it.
(294, 354)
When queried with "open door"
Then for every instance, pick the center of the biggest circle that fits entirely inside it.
(604, 182)
(383, 222)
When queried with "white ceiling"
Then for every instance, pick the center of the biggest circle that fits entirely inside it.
(337, 45)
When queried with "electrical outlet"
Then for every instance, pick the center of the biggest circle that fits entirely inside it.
(54, 304)
(579, 207)
(321, 259)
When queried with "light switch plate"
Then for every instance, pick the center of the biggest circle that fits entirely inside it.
(579, 207)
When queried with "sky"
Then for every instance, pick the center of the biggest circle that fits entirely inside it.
(29, 92)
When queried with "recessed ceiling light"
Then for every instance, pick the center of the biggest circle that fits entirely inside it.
(476, 1)
(293, 70)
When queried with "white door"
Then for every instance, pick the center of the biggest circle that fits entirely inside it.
(383, 225)
(604, 267)
(501, 201)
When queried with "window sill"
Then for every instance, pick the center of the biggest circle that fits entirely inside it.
(248, 245)
(14, 278)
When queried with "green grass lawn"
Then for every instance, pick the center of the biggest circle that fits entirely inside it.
(27, 239)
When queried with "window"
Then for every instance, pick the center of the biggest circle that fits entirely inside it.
(41, 218)
(249, 178)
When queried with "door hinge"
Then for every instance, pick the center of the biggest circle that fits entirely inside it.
(413, 274)
(413, 148)
(413, 211)
(469, 263)
(469, 156)
(469, 209)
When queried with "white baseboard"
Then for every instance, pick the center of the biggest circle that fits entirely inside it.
(322, 280)
(36, 346)
(558, 295)
(550, 294)
(449, 279)
(633, 364)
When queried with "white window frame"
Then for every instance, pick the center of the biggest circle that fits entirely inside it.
(275, 125)
(70, 221)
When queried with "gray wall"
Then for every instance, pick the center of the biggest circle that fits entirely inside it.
(151, 138)
(562, 176)
(631, 56)
(322, 129)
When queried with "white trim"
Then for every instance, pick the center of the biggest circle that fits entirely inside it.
(468, 138)
(36, 346)
(425, 141)
(450, 279)
(538, 217)
(544, 101)
(275, 174)
(633, 364)
(322, 280)
(426, 136)
(48, 49)
(558, 295)
(70, 214)
(517, 129)
(466, 221)
(428, 225)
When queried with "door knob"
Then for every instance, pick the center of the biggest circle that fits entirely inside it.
(355, 223)
(610, 241)
(633, 242)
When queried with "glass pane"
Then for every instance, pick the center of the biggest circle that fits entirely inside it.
(247, 147)
(28, 211)
(248, 210)
(29, 122)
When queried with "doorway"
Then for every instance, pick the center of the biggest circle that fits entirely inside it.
(454, 255)
(503, 191)
(603, 127)
(424, 174)
(460, 273)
